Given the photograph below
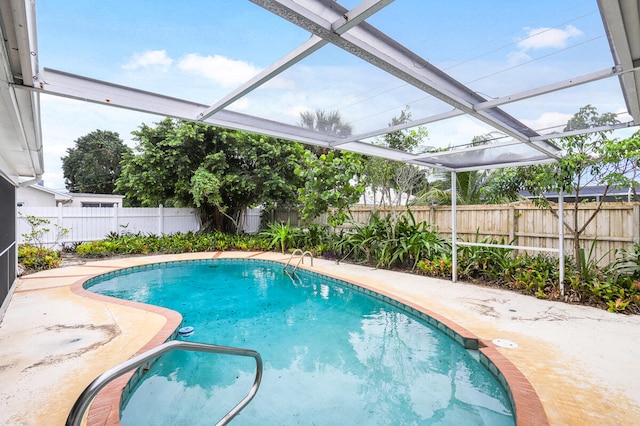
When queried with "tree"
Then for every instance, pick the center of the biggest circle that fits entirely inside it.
(472, 187)
(394, 181)
(330, 181)
(325, 122)
(219, 171)
(93, 165)
(329, 123)
(469, 188)
(588, 159)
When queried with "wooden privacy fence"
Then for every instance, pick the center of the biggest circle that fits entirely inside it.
(523, 224)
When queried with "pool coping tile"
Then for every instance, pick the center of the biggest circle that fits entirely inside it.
(105, 408)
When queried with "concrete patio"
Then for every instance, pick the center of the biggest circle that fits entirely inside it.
(581, 361)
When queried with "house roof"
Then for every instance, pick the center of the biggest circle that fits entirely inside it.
(59, 196)
(335, 31)
(20, 131)
(84, 195)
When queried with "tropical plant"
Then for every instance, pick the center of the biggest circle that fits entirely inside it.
(627, 262)
(34, 258)
(280, 235)
(325, 122)
(470, 188)
(360, 243)
(414, 241)
(488, 263)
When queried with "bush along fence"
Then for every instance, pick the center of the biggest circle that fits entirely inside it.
(95, 223)
(616, 227)
(407, 244)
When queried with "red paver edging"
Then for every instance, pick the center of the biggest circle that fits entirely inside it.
(105, 408)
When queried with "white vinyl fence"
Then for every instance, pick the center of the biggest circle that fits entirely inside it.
(94, 223)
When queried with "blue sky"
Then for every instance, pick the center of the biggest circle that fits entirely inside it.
(202, 50)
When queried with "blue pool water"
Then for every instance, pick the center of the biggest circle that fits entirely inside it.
(332, 354)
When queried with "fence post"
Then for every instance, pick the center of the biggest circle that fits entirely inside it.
(115, 219)
(60, 219)
(512, 225)
(160, 220)
(636, 224)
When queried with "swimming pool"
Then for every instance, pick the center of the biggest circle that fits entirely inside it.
(332, 354)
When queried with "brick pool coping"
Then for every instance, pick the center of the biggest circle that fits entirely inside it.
(105, 408)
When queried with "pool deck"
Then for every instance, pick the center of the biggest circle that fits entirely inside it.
(582, 362)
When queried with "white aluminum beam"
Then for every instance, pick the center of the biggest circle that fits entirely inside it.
(371, 45)
(503, 100)
(551, 136)
(426, 156)
(503, 165)
(340, 26)
(398, 127)
(622, 26)
(72, 86)
(554, 87)
(292, 58)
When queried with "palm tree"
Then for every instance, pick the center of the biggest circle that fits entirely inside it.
(325, 122)
(473, 187)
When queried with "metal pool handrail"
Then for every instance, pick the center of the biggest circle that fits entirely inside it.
(85, 398)
(296, 251)
(300, 259)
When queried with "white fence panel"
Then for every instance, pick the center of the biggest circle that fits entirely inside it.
(251, 220)
(94, 223)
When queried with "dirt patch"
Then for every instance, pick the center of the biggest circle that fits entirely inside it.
(86, 338)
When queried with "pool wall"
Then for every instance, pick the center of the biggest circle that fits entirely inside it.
(105, 409)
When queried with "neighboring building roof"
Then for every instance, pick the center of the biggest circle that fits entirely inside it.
(84, 195)
(59, 196)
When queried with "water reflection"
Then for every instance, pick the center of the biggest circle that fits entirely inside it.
(332, 355)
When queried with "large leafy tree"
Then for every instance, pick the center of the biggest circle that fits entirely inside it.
(330, 184)
(219, 171)
(589, 159)
(93, 164)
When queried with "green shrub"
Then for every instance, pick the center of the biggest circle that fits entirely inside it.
(116, 244)
(35, 258)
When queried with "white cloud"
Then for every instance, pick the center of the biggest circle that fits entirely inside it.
(549, 121)
(543, 38)
(148, 59)
(225, 71)
(519, 57)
